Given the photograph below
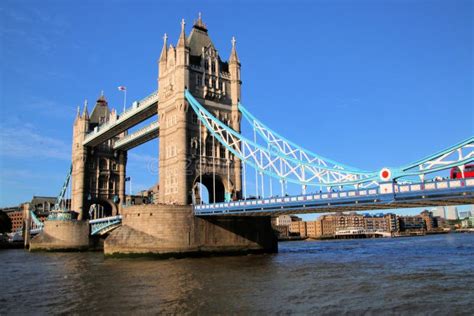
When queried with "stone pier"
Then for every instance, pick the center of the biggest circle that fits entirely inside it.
(173, 231)
(62, 236)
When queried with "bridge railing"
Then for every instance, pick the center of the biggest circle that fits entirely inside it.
(105, 219)
(102, 225)
(340, 195)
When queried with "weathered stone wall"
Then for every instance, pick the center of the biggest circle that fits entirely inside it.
(62, 235)
(174, 231)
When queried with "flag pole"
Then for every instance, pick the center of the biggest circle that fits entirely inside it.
(124, 99)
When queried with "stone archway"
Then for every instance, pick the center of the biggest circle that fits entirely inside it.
(221, 193)
(98, 208)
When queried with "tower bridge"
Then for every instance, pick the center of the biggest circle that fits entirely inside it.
(199, 123)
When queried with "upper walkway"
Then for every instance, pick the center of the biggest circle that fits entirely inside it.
(139, 112)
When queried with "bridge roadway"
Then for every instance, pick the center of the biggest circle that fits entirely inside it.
(387, 196)
(139, 112)
(394, 196)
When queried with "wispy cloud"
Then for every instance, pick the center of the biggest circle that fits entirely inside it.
(144, 161)
(24, 141)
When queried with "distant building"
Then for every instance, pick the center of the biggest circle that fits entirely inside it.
(40, 205)
(408, 223)
(283, 220)
(468, 222)
(452, 213)
(352, 220)
(382, 223)
(15, 214)
(439, 212)
(464, 214)
(430, 222)
(325, 226)
(311, 229)
(298, 228)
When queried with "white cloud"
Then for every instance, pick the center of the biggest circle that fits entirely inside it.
(24, 141)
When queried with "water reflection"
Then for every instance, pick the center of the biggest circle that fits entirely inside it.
(356, 276)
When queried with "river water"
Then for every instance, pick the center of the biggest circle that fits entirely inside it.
(417, 275)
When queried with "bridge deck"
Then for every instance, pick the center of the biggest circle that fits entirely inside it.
(451, 192)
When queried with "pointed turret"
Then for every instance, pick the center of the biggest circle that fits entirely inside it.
(164, 50)
(85, 113)
(233, 54)
(182, 51)
(78, 114)
(182, 36)
(199, 24)
(102, 100)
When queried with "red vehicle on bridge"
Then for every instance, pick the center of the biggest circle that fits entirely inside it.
(468, 172)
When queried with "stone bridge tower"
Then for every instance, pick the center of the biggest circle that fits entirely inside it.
(98, 173)
(195, 64)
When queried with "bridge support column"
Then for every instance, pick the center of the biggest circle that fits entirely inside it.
(122, 174)
(173, 231)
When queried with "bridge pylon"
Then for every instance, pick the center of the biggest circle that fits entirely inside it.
(98, 173)
(188, 154)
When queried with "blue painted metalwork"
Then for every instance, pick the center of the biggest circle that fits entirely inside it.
(36, 220)
(400, 195)
(60, 198)
(309, 168)
(104, 225)
(271, 162)
(288, 147)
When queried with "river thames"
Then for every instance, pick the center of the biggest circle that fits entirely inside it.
(418, 275)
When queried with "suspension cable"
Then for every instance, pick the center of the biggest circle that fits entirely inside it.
(245, 177)
(227, 153)
(256, 171)
(213, 169)
(200, 161)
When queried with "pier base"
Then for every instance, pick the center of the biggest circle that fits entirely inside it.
(173, 231)
(62, 236)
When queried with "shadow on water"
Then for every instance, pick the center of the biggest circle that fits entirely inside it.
(408, 276)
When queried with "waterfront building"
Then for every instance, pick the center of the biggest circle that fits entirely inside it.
(394, 222)
(325, 226)
(375, 223)
(352, 220)
(283, 220)
(311, 229)
(298, 228)
(429, 220)
(15, 214)
(412, 223)
(40, 205)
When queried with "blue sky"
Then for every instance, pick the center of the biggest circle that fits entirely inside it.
(367, 83)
